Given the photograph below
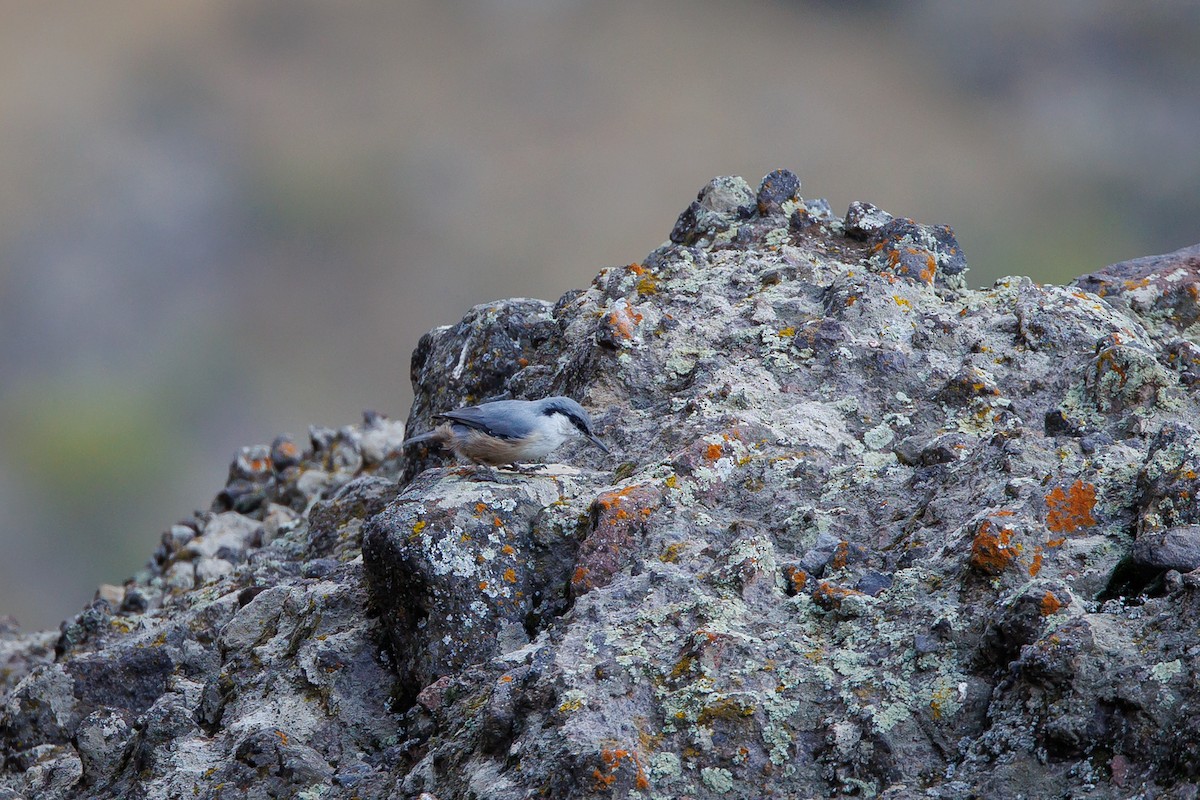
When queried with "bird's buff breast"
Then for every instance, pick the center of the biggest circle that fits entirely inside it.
(484, 449)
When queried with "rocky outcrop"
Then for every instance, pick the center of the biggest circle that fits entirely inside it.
(865, 532)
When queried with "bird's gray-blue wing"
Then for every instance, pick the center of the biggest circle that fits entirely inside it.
(492, 421)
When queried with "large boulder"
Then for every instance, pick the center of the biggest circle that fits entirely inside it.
(864, 532)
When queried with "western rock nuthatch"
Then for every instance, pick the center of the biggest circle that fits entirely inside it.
(508, 431)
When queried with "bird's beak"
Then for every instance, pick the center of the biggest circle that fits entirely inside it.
(596, 441)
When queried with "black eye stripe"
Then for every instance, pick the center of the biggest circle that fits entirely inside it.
(575, 420)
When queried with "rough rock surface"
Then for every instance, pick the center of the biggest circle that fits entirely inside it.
(865, 532)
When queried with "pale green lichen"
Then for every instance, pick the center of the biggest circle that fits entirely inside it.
(879, 437)
(664, 767)
(717, 778)
(1164, 671)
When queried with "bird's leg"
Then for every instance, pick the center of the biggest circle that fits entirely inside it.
(485, 472)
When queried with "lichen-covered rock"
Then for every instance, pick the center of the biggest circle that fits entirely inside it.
(864, 532)
(454, 572)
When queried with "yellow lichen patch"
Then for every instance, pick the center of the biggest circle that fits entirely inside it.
(939, 700)
(682, 667)
(724, 709)
(418, 527)
(672, 482)
(671, 553)
(648, 285)
(1068, 511)
(787, 332)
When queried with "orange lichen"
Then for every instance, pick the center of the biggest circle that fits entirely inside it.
(510, 575)
(480, 509)
(1070, 510)
(283, 738)
(930, 268)
(506, 678)
(830, 596)
(1049, 604)
(507, 550)
(579, 579)
(992, 551)
(623, 320)
(1036, 566)
(288, 449)
(797, 579)
(713, 452)
(636, 269)
(612, 761)
(610, 499)
(841, 554)
(259, 464)
(1108, 360)
(483, 586)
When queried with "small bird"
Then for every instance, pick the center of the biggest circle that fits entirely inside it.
(508, 431)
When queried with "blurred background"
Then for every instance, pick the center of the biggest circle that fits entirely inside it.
(222, 220)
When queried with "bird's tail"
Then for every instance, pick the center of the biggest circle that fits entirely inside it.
(436, 437)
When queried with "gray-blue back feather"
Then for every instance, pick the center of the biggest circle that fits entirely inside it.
(505, 419)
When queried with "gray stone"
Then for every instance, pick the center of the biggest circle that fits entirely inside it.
(210, 570)
(101, 740)
(229, 532)
(181, 576)
(863, 531)
(1174, 548)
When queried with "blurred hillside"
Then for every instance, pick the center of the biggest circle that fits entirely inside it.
(229, 219)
